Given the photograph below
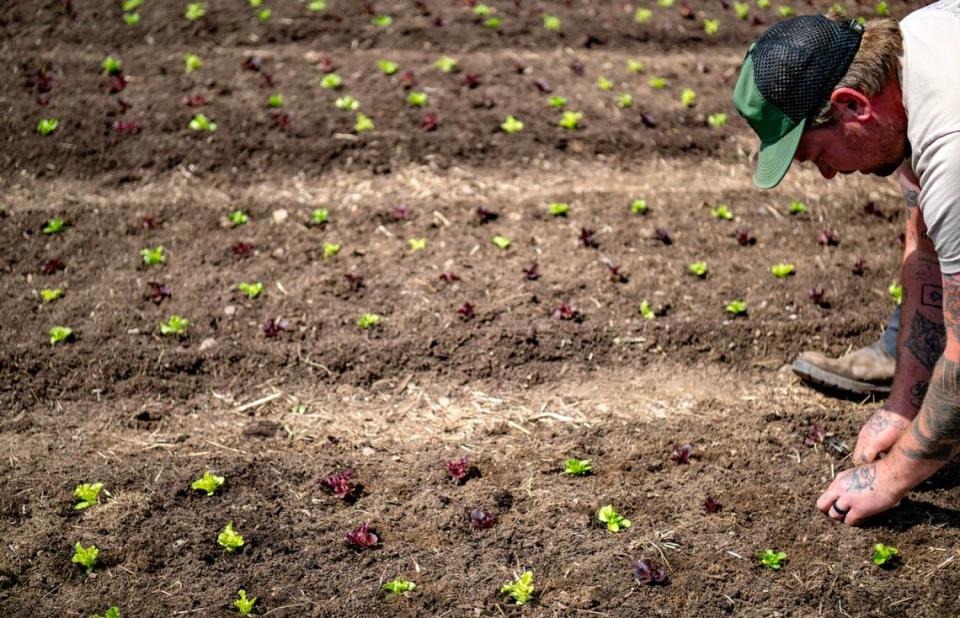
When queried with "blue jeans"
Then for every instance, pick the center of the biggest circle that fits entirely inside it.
(888, 340)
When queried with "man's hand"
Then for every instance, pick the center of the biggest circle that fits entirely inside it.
(879, 434)
(863, 491)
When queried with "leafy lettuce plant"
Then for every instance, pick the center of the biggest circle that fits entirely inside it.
(46, 126)
(152, 257)
(577, 467)
(638, 207)
(369, 320)
(209, 483)
(54, 226)
(243, 604)
(238, 217)
(721, 212)
(604, 84)
(556, 101)
(111, 66)
(772, 559)
(884, 554)
(320, 216)
(87, 495)
(711, 26)
(85, 556)
(658, 83)
(59, 334)
(896, 292)
(113, 612)
(347, 102)
(782, 270)
(717, 120)
(417, 99)
(624, 101)
(175, 325)
(381, 21)
(570, 120)
(387, 67)
(446, 64)
(688, 97)
(736, 307)
(698, 269)
(417, 244)
(229, 539)
(252, 290)
(558, 209)
(521, 589)
(642, 15)
(48, 296)
(192, 62)
(646, 310)
(201, 123)
(613, 520)
(399, 586)
(551, 23)
(195, 10)
(330, 249)
(331, 81)
(511, 125)
(798, 208)
(501, 241)
(275, 101)
(364, 123)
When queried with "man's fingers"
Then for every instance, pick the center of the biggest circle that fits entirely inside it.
(826, 499)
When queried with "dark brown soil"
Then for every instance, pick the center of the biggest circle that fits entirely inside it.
(514, 387)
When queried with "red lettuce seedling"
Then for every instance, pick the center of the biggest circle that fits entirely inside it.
(408, 79)
(578, 69)
(282, 120)
(242, 249)
(117, 83)
(814, 436)
(449, 277)
(252, 63)
(647, 572)
(681, 454)
(362, 538)
(486, 216)
(399, 213)
(52, 265)
(481, 520)
(859, 266)
(710, 505)
(127, 126)
(273, 327)
(531, 274)
(566, 311)
(663, 235)
(459, 469)
(743, 237)
(818, 297)
(471, 80)
(587, 238)
(431, 122)
(124, 105)
(339, 484)
(828, 238)
(617, 274)
(156, 292)
(466, 311)
(648, 120)
(354, 279)
(543, 86)
(194, 100)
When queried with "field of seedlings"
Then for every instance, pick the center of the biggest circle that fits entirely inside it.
(429, 308)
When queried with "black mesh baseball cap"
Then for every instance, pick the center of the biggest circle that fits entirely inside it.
(786, 78)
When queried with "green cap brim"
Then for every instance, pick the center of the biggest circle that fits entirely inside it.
(775, 159)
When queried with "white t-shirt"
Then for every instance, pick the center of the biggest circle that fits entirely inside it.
(931, 95)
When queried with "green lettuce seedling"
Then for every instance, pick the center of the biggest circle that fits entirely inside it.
(511, 125)
(666, 4)
(698, 269)
(635, 66)
(255, 3)
(556, 101)
(642, 15)
(501, 241)
(492, 22)
(772, 559)
(782, 270)
(46, 126)
(54, 226)
(416, 244)
(369, 320)
(48, 295)
(87, 494)
(195, 10)
(175, 325)
(784, 11)
(658, 83)
(604, 84)
(742, 9)
(348, 103)
(446, 64)
(721, 212)
(399, 586)
(736, 307)
(688, 97)
(558, 209)
(243, 604)
(614, 521)
(252, 290)
(797, 208)
(330, 249)
(896, 292)
(60, 333)
(882, 554)
(192, 62)
(202, 123)
(520, 589)
(638, 207)
(317, 6)
(131, 5)
(152, 257)
(331, 81)
(387, 67)
(320, 216)
(364, 123)
(264, 14)
(417, 99)
(646, 311)
(624, 101)
(229, 539)
(381, 21)
(238, 217)
(551, 23)
(85, 556)
(113, 612)
(208, 483)
(111, 66)
(131, 19)
(838, 10)
(717, 120)
(577, 467)
(711, 26)
(881, 8)
(570, 120)
(763, 4)
(275, 101)
(482, 10)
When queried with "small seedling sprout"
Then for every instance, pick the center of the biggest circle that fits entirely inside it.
(209, 483)
(320, 216)
(721, 212)
(152, 257)
(624, 101)
(87, 495)
(85, 556)
(742, 9)
(131, 5)
(48, 296)
(881, 8)
(658, 83)
(772, 559)
(501, 241)
(331, 81)
(59, 334)
(46, 126)
(521, 589)
(638, 207)
(570, 120)
(381, 21)
(613, 520)
(736, 307)
(511, 125)
(604, 84)
(763, 4)
(111, 66)
(446, 64)
(54, 226)
(399, 586)
(577, 467)
(782, 270)
(642, 15)
(387, 67)
(369, 320)
(711, 26)
(551, 23)
(252, 290)
(243, 604)
(896, 292)
(556, 101)
(175, 325)
(797, 208)
(229, 539)
(884, 554)
(317, 6)
(417, 99)
(493, 22)
(330, 249)
(364, 123)
(417, 244)
(238, 217)
(201, 123)
(665, 4)
(559, 209)
(635, 66)
(264, 14)
(784, 11)
(646, 311)
(688, 97)
(348, 103)
(113, 612)
(192, 62)
(698, 269)
(717, 120)
(275, 101)
(131, 19)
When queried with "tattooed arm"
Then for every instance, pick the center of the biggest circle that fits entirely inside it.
(921, 337)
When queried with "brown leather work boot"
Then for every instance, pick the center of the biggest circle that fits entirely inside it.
(866, 371)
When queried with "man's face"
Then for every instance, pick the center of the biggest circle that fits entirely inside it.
(847, 146)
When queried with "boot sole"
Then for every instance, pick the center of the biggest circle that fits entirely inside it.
(811, 373)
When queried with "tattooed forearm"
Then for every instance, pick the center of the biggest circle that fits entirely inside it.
(937, 428)
(917, 393)
(861, 479)
(925, 340)
(951, 304)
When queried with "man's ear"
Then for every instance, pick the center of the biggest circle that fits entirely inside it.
(849, 105)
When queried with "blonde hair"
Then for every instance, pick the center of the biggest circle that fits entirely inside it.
(877, 60)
